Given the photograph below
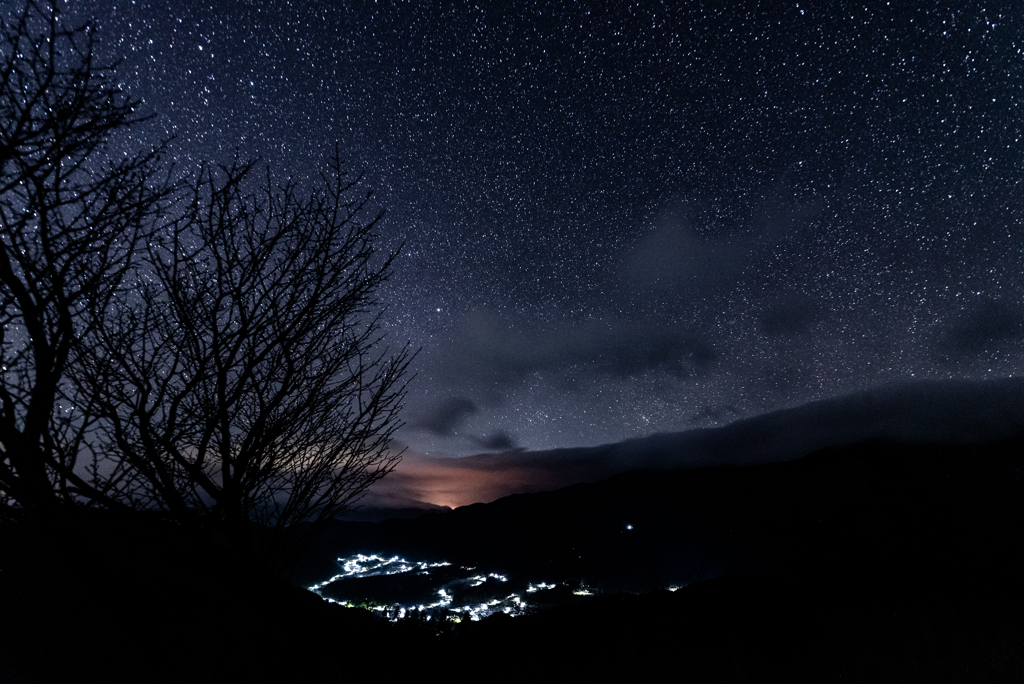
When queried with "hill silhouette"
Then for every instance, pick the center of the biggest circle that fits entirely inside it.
(839, 507)
(872, 562)
(926, 412)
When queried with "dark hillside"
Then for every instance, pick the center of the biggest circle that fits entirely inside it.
(745, 629)
(94, 597)
(876, 562)
(868, 510)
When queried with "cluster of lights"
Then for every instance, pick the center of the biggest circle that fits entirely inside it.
(480, 579)
(538, 587)
(478, 611)
(362, 565)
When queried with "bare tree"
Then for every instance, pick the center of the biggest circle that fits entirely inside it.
(70, 218)
(209, 350)
(245, 386)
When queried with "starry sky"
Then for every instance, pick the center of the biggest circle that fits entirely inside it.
(623, 218)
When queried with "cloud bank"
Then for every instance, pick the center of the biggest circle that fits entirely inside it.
(959, 412)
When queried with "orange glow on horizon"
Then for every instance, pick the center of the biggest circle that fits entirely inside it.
(455, 482)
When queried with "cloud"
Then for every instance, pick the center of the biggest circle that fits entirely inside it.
(706, 247)
(445, 418)
(496, 352)
(715, 414)
(674, 256)
(790, 316)
(990, 324)
(928, 412)
(496, 441)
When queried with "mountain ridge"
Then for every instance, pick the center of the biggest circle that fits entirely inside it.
(929, 411)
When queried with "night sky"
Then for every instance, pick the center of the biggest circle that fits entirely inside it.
(620, 219)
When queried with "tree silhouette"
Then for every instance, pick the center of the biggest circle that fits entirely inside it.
(208, 349)
(70, 219)
(245, 386)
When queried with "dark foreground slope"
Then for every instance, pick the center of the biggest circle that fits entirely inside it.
(870, 563)
(744, 629)
(873, 509)
(99, 598)
(877, 562)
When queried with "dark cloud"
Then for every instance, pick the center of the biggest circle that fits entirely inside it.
(446, 417)
(954, 412)
(673, 255)
(494, 351)
(705, 246)
(992, 323)
(715, 414)
(497, 441)
(790, 316)
(640, 350)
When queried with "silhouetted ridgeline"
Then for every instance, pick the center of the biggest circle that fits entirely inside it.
(876, 562)
(925, 412)
(837, 508)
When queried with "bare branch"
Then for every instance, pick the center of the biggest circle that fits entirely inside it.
(248, 381)
(69, 224)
